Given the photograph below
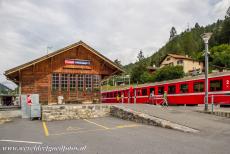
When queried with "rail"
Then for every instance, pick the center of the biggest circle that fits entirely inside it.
(215, 102)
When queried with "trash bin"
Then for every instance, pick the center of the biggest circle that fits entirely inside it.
(60, 99)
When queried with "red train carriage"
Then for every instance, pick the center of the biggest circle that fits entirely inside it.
(188, 91)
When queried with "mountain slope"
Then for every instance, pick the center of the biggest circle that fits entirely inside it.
(190, 43)
(4, 89)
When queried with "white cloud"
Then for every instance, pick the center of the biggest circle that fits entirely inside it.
(116, 28)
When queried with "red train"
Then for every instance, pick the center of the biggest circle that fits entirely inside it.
(189, 91)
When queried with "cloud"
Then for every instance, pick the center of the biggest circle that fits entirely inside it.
(116, 28)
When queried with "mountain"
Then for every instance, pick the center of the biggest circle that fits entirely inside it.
(4, 89)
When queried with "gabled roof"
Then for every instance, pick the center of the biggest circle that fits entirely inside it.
(176, 57)
(15, 69)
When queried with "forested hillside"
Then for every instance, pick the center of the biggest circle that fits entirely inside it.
(188, 43)
(4, 89)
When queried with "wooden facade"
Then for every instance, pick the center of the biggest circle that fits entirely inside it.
(52, 76)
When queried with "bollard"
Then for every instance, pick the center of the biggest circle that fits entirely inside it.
(212, 103)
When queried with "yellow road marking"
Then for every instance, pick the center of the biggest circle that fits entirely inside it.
(97, 124)
(45, 129)
(127, 126)
(94, 130)
(77, 132)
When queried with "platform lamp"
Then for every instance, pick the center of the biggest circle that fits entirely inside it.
(206, 37)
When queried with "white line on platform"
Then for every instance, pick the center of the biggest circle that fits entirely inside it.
(21, 141)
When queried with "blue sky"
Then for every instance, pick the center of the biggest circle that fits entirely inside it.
(116, 28)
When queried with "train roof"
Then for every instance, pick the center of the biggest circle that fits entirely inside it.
(189, 78)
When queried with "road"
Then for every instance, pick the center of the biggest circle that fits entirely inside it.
(108, 135)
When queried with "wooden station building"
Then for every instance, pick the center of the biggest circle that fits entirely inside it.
(73, 72)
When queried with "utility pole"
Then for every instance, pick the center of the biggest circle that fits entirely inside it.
(206, 37)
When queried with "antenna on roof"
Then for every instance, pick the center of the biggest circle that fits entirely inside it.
(48, 48)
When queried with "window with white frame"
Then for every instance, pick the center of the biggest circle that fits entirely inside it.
(80, 82)
(55, 81)
(64, 82)
(88, 82)
(96, 82)
(72, 82)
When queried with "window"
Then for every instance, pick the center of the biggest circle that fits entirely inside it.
(172, 89)
(198, 86)
(119, 94)
(168, 59)
(184, 88)
(180, 62)
(160, 90)
(80, 82)
(96, 82)
(144, 92)
(55, 81)
(64, 82)
(138, 92)
(88, 82)
(72, 82)
(152, 90)
(216, 85)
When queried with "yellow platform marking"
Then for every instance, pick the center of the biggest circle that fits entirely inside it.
(127, 126)
(45, 129)
(96, 124)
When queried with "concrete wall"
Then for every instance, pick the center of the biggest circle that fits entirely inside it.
(66, 112)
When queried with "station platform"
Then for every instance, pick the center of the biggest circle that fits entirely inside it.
(186, 116)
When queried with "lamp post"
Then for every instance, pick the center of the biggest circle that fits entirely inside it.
(206, 37)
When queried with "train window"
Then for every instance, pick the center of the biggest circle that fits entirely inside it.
(152, 90)
(125, 93)
(184, 88)
(119, 94)
(160, 90)
(216, 85)
(198, 86)
(138, 92)
(144, 92)
(115, 94)
(172, 89)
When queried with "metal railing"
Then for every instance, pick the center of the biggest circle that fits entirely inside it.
(216, 102)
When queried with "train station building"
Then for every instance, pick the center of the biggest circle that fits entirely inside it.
(73, 72)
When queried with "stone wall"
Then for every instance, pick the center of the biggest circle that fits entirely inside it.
(67, 112)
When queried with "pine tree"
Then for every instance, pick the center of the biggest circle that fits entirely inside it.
(140, 56)
(118, 62)
(197, 25)
(228, 13)
(173, 33)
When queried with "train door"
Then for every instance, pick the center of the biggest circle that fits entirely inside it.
(152, 94)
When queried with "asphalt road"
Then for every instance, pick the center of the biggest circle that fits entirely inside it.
(105, 136)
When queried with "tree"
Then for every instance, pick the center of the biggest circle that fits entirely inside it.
(173, 33)
(169, 73)
(197, 25)
(228, 13)
(220, 56)
(118, 62)
(140, 56)
(136, 73)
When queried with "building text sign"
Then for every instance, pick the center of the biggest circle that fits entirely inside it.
(77, 62)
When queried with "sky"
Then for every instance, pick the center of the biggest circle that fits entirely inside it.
(118, 29)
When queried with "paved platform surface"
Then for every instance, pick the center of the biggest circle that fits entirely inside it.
(107, 136)
(207, 124)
